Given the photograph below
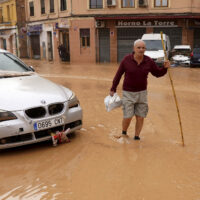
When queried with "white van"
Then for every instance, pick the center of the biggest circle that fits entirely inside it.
(154, 47)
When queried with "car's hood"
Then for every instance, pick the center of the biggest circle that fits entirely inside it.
(180, 58)
(155, 54)
(18, 93)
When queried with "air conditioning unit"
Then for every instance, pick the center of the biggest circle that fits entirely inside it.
(111, 3)
(100, 24)
(142, 3)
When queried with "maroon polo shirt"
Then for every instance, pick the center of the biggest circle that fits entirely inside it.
(135, 76)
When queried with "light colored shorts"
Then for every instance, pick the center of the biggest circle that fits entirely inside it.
(135, 103)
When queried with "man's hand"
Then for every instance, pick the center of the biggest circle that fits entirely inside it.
(166, 64)
(112, 93)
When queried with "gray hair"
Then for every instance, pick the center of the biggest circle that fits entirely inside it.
(138, 40)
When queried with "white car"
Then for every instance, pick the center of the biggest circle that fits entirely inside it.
(154, 48)
(181, 55)
(33, 108)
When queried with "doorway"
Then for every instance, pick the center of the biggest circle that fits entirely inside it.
(50, 45)
(104, 45)
(35, 46)
(65, 38)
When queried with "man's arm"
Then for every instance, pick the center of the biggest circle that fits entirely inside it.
(160, 71)
(117, 78)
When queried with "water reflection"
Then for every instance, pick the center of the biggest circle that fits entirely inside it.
(35, 192)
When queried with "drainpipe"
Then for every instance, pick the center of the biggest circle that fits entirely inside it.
(71, 9)
(191, 5)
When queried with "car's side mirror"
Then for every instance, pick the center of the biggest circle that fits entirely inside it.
(31, 68)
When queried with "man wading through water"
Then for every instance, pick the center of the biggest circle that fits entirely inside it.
(135, 68)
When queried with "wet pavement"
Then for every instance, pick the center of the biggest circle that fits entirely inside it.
(97, 166)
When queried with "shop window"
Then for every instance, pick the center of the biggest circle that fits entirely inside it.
(63, 5)
(42, 3)
(161, 3)
(31, 6)
(51, 2)
(128, 3)
(94, 4)
(85, 37)
(8, 13)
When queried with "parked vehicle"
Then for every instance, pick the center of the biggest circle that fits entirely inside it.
(32, 108)
(195, 57)
(154, 47)
(180, 55)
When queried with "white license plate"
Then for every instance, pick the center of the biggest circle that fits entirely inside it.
(48, 123)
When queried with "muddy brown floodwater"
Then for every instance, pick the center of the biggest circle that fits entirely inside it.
(97, 166)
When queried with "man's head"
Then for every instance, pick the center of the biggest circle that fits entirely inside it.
(139, 47)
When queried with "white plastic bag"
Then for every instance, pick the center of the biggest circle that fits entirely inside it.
(112, 102)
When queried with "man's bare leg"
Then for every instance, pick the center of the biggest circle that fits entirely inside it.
(125, 123)
(138, 126)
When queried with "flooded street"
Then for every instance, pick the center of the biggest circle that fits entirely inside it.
(97, 166)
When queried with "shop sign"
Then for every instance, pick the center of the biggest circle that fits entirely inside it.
(33, 33)
(35, 28)
(5, 34)
(146, 23)
(23, 30)
(64, 23)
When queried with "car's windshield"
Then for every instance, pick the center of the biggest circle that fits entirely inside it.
(185, 52)
(152, 45)
(182, 50)
(9, 62)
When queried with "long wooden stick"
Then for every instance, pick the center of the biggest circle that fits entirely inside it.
(179, 117)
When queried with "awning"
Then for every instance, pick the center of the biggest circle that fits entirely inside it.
(121, 17)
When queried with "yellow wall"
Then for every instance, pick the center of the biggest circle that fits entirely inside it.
(8, 12)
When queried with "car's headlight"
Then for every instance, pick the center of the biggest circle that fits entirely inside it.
(160, 59)
(73, 101)
(6, 115)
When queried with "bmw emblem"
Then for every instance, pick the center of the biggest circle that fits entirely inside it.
(43, 101)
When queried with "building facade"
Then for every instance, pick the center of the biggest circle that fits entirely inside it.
(8, 28)
(13, 27)
(104, 30)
